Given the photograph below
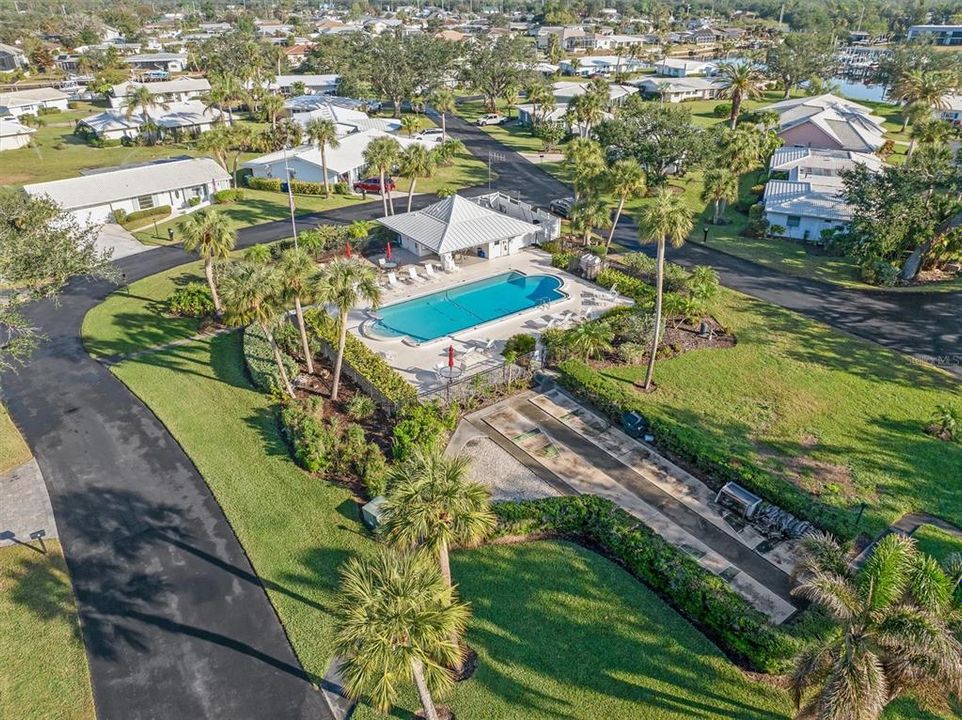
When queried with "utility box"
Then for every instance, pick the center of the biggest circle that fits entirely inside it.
(371, 512)
(590, 265)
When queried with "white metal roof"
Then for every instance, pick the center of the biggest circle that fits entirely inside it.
(456, 223)
(347, 156)
(29, 97)
(821, 167)
(164, 87)
(182, 114)
(111, 186)
(800, 198)
(10, 127)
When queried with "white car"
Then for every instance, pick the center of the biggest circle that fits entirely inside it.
(491, 119)
(430, 135)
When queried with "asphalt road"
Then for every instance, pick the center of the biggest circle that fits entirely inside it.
(927, 326)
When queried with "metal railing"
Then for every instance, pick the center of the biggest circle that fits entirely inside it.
(488, 383)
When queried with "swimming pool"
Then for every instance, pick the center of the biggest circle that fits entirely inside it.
(449, 311)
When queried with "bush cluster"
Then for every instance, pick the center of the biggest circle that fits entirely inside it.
(520, 344)
(228, 196)
(125, 218)
(259, 358)
(562, 260)
(638, 290)
(420, 424)
(362, 360)
(256, 183)
(191, 300)
(879, 272)
(712, 461)
(740, 630)
(303, 187)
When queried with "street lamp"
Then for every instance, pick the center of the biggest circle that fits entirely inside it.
(290, 195)
(704, 231)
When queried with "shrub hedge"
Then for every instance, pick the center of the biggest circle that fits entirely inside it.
(260, 360)
(741, 631)
(362, 360)
(256, 183)
(191, 300)
(713, 462)
(302, 187)
(160, 210)
(227, 196)
(638, 290)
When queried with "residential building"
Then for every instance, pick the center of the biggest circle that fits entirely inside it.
(477, 226)
(14, 134)
(829, 122)
(347, 119)
(11, 58)
(169, 91)
(345, 163)
(313, 84)
(167, 62)
(178, 119)
(677, 90)
(565, 91)
(571, 37)
(183, 185)
(807, 194)
(296, 54)
(681, 68)
(30, 102)
(599, 65)
(952, 112)
(938, 34)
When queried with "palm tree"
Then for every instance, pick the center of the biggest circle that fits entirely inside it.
(416, 161)
(410, 124)
(542, 101)
(443, 101)
(590, 339)
(272, 106)
(743, 82)
(666, 219)
(922, 90)
(253, 295)
(258, 255)
(626, 178)
(298, 276)
(587, 214)
(585, 162)
(359, 230)
(721, 186)
(930, 132)
(344, 283)
(397, 620)
(227, 90)
(432, 504)
(895, 620)
(210, 236)
(323, 133)
(382, 154)
(141, 99)
(742, 149)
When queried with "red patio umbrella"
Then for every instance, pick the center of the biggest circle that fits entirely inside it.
(349, 249)
(451, 356)
(387, 252)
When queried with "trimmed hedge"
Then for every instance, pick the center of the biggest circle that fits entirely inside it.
(160, 210)
(362, 360)
(303, 187)
(742, 632)
(227, 196)
(256, 183)
(638, 290)
(713, 462)
(259, 358)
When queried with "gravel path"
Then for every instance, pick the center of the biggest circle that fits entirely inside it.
(506, 477)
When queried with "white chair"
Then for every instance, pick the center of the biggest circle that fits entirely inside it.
(429, 271)
(392, 280)
(613, 292)
(413, 274)
(382, 263)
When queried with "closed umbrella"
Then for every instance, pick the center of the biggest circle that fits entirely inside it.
(387, 253)
(349, 249)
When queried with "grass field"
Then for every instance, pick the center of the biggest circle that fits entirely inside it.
(43, 670)
(936, 542)
(13, 450)
(839, 416)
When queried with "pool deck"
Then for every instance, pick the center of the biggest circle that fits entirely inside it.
(417, 363)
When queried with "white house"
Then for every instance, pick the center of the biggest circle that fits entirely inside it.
(178, 90)
(11, 58)
(313, 84)
(93, 198)
(168, 62)
(811, 198)
(348, 120)
(937, 34)
(565, 91)
(600, 65)
(680, 68)
(29, 102)
(829, 122)
(14, 134)
(681, 89)
(953, 109)
(190, 118)
(484, 226)
(345, 163)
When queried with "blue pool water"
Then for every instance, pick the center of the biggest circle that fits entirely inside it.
(450, 311)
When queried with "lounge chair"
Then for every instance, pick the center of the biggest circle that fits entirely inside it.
(413, 274)
(382, 263)
(429, 271)
(392, 280)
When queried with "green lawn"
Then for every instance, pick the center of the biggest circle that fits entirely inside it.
(839, 416)
(936, 542)
(13, 450)
(43, 669)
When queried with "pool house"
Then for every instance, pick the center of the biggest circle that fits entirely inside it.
(488, 226)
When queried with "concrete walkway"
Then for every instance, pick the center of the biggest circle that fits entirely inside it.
(587, 465)
(120, 241)
(24, 505)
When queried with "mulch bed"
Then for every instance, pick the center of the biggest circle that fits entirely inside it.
(469, 665)
(685, 337)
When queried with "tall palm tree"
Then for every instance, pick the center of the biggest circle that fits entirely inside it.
(298, 276)
(583, 113)
(344, 283)
(359, 230)
(922, 90)
(432, 504)
(666, 219)
(721, 186)
(742, 149)
(141, 100)
(742, 82)
(397, 620)
(590, 339)
(895, 621)
(443, 101)
(253, 295)
(323, 133)
(585, 162)
(209, 235)
(542, 100)
(227, 90)
(410, 124)
(587, 214)
(272, 106)
(930, 132)
(382, 154)
(416, 161)
(626, 178)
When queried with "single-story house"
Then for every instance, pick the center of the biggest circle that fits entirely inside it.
(296, 54)
(188, 118)
(953, 109)
(565, 91)
(11, 58)
(599, 41)
(14, 134)
(458, 225)
(811, 197)
(345, 163)
(680, 89)
(29, 102)
(178, 90)
(937, 34)
(93, 198)
(829, 122)
(680, 68)
(348, 120)
(168, 62)
(313, 84)
(569, 36)
(599, 65)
